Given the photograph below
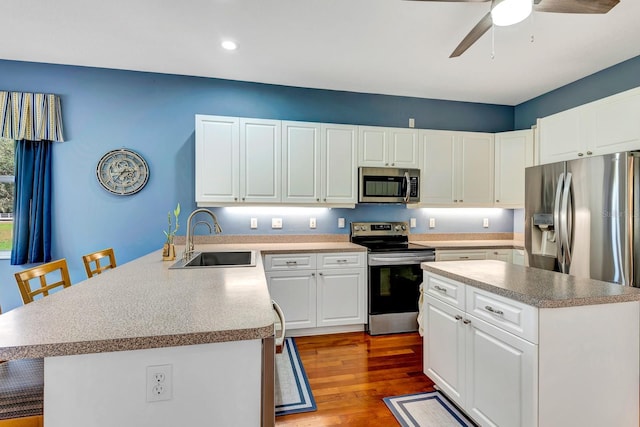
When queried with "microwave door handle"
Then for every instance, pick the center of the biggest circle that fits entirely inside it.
(407, 187)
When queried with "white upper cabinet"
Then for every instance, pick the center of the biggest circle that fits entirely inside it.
(457, 168)
(513, 153)
(217, 159)
(388, 147)
(242, 160)
(605, 126)
(301, 162)
(260, 160)
(339, 174)
(319, 164)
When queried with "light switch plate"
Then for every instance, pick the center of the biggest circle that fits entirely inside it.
(340, 222)
(276, 222)
(412, 223)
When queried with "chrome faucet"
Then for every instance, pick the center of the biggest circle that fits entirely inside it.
(188, 249)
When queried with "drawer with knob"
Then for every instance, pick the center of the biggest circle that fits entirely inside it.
(302, 261)
(341, 260)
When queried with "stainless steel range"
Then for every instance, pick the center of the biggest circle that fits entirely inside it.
(394, 275)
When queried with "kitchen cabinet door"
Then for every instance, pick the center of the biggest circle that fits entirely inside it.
(301, 151)
(613, 123)
(403, 151)
(217, 159)
(295, 292)
(260, 161)
(339, 171)
(444, 348)
(437, 179)
(372, 146)
(513, 153)
(505, 255)
(560, 136)
(341, 297)
(388, 147)
(500, 368)
(474, 170)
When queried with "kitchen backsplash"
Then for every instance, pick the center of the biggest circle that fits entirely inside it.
(237, 220)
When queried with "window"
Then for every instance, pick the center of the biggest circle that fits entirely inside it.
(7, 190)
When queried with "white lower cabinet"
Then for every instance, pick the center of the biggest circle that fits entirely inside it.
(488, 372)
(509, 364)
(318, 289)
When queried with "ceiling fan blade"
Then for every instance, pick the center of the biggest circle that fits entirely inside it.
(575, 6)
(481, 27)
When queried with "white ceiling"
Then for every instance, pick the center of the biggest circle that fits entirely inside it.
(390, 47)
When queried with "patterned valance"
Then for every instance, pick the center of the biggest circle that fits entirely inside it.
(30, 116)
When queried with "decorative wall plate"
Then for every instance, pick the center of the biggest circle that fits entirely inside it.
(122, 172)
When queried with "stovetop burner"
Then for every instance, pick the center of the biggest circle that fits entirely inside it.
(384, 237)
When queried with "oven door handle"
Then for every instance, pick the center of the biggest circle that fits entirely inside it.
(404, 260)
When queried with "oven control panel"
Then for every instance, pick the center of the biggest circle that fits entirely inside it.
(400, 228)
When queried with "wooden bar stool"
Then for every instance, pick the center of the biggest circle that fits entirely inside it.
(21, 392)
(57, 269)
(95, 258)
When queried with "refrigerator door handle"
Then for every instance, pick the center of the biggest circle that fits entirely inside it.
(556, 222)
(567, 223)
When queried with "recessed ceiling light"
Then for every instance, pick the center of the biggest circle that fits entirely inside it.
(229, 45)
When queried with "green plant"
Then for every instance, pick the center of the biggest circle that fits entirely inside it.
(171, 232)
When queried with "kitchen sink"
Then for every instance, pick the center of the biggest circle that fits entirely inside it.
(218, 259)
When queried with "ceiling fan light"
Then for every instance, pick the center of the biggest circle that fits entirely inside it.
(509, 12)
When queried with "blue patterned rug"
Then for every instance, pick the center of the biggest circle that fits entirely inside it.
(426, 410)
(293, 394)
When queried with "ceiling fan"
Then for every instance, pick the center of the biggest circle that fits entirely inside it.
(523, 9)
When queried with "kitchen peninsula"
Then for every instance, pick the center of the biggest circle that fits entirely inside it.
(513, 345)
(99, 336)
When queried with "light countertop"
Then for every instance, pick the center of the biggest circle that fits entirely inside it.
(532, 286)
(144, 304)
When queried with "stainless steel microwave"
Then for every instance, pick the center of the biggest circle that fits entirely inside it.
(388, 185)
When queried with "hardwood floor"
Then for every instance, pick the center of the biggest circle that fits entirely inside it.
(350, 373)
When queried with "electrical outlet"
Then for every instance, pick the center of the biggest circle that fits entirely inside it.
(276, 222)
(432, 223)
(312, 223)
(340, 222)
(412, 223)
(485, 222)
(159, 383)
(412, 122)
(254, 222)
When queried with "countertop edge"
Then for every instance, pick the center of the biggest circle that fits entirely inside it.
(529, 299)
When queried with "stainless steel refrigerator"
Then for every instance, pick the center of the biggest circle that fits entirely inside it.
(580, 217)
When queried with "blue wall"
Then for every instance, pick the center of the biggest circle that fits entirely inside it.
(609, 81)
(154, 115)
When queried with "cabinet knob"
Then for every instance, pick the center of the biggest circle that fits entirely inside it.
(325, 199)
(320, 274)
(458, 317)
(235, 198)
(455, 201)
(589, 153)
(497, 201)
(313, 274)
(393, 164)
(461, 200)
(386, 164)
(466, 321)
(243, 199)
(580, 154)
(317, 200)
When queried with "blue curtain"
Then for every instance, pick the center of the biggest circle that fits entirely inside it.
(32, 204)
